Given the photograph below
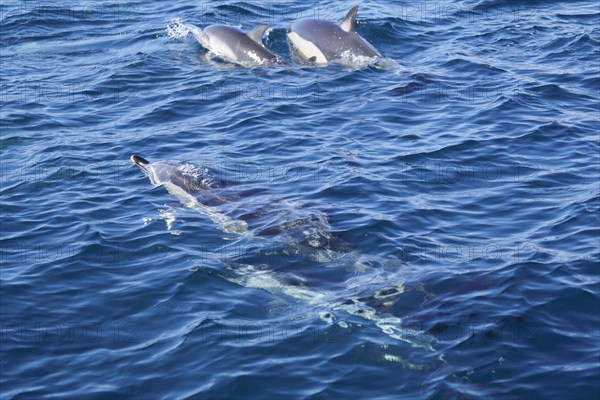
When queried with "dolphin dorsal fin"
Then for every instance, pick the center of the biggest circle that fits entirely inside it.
(256, 34)
(349, 22)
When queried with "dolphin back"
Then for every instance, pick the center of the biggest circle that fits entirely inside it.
(235, 45)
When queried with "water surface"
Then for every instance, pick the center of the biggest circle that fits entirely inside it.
(461, 173)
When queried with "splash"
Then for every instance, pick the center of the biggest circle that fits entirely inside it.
(177, 29)
(356, 62)
(169, 217)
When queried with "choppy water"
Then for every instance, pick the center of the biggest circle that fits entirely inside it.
(460, 177)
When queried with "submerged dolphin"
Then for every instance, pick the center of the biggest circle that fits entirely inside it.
(174, 174)
(234, 45)
(368, 295)
(191, 185)
(322, 41)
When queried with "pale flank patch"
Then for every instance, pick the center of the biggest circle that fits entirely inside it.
(255, 57)
(225, 223)
(307, 49)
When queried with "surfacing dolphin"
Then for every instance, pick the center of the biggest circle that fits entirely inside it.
(234, 45)
(321, 42)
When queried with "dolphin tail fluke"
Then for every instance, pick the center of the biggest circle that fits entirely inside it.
(139, 161)
(257, 33)
(349, 22)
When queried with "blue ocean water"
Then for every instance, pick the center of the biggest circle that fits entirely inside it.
(459, 178)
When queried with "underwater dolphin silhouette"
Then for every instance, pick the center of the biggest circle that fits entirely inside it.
(193, 186)
(369, 293)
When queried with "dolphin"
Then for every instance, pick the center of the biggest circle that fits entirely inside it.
(321, 42)
(369, 293)
(170, 174)
(197, 187)
(234, 45)
(190, 185)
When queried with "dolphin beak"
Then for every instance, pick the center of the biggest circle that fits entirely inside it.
(141, 162)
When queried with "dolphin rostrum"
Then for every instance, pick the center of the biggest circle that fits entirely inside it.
(234, 45)
(321, 42)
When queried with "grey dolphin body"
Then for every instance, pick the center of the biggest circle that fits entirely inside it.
(232, 44)
(323, 41)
